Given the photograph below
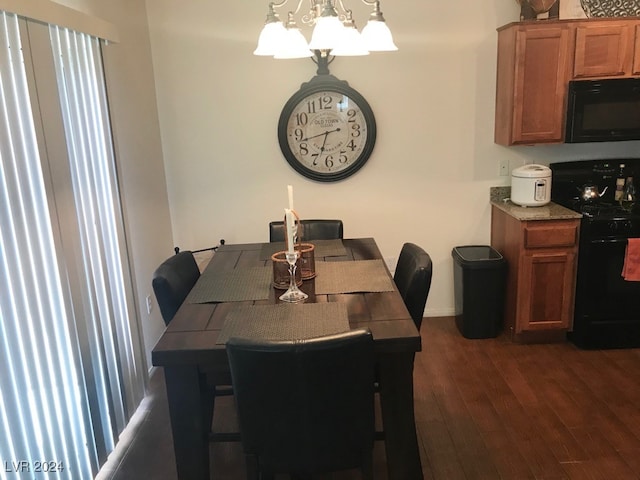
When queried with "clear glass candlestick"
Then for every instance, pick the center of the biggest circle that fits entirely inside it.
(293, 294)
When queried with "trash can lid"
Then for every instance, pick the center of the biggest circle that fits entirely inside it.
(478, 256)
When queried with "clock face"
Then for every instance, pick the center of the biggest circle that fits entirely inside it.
(327, 131)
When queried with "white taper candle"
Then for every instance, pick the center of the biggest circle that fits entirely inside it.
(289, 229)
(290, 192)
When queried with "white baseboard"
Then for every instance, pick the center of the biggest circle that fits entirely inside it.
(439, 312)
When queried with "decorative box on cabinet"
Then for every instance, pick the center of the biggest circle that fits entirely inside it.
(541, 256)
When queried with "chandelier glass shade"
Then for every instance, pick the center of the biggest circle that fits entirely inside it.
(377, 36)
(293, 45)
(334, 31)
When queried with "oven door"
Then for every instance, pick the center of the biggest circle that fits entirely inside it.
(606, 313)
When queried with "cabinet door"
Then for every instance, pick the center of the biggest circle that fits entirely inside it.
(540, 84)
(636, 52)
(546, 291)
(603, 50)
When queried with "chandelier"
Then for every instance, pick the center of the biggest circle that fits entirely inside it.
(334, 31)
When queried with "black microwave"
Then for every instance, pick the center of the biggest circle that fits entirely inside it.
(603, 110)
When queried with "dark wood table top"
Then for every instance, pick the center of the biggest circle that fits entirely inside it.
(190, 338)
(189, 348)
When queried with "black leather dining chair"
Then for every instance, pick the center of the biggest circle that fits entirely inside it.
(172, 281)
(311, 230)
(305, 406)
(413, 278)
(174, 278)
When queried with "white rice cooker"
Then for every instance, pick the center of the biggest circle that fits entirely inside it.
(531, 185)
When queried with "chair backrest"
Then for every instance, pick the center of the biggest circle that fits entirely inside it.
(413, 279)
(172, 281)
(305, 406)
(311, 230)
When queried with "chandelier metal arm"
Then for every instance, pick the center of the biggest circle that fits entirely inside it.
(348, 13)
(377, 13)
(295, 12)
(316, 7)
(309, 18)
(334, 30)
(306, 19)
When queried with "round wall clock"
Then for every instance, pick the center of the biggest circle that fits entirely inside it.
(326, 130)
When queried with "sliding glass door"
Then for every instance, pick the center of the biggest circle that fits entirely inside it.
(71, 365)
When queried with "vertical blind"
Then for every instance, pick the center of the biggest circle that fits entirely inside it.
(71, 367)
(41, 405)
(111, 334)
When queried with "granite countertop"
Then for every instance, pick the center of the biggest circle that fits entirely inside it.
(499, 196)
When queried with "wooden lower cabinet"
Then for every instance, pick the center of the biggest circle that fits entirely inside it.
(542, 260)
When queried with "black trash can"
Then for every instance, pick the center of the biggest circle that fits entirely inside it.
(479, 277)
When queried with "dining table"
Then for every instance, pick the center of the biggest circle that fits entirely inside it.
(351, 288)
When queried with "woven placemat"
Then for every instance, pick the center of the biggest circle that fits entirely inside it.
(323, 248)
(284, 322)
(329, 248)
(351, 277)
(232, 285)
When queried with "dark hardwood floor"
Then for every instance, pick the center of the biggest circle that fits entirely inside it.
(485, 409)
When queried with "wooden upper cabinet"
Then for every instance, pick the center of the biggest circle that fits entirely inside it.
(603, 50)
(636, 51)
(536, 61)
(533, 68)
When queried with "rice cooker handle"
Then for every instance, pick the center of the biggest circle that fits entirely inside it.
(540, 193)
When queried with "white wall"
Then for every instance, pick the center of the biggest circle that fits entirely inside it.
(428, 178)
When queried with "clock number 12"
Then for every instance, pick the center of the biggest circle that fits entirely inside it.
(323, 102)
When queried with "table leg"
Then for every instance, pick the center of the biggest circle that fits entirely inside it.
(396, 398)
(189, 411)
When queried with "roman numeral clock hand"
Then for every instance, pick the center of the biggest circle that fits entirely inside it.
(318, 156)
(320, 134)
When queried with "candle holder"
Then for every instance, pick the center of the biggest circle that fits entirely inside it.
(293, 293)
(306, 260)
(281, 270)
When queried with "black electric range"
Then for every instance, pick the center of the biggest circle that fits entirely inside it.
(607, 309)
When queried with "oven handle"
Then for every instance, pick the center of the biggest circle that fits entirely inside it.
(611, 240)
